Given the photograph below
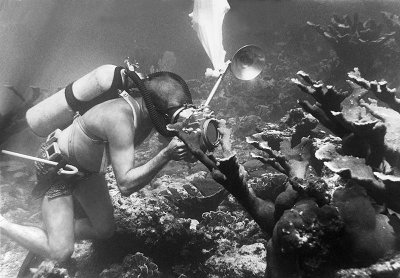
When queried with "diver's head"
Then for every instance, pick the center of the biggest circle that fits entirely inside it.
(169, 93)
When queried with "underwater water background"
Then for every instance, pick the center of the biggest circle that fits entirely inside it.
(49, 43)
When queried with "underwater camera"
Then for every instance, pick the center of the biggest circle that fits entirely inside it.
(199, 121)
(246, 64)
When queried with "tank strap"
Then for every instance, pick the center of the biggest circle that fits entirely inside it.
(72, 101)
(129, 99)
(83, 106)
(117, 80)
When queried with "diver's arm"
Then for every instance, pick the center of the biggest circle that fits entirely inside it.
(137, 178)
(130, 178)
(134, 179)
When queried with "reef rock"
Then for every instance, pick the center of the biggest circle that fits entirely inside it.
(331, 210)
(246, 261)
(356, 43)
(136, 266)
(370, 234)
(305, 240)
(49, 269)
(388, 268)
(393, 22)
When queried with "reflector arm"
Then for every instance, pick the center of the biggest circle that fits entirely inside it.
(214, 89)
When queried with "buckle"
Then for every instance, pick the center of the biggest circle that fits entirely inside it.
(53, 136)
(53, 152)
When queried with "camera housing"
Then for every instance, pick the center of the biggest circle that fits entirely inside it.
(200, 120)
(210, 136)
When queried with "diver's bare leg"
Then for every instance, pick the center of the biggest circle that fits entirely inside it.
(94, 197)
(57, 242)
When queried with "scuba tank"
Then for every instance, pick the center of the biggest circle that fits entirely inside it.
(50, 114)
(58, 110)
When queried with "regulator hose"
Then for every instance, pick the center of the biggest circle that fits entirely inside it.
(158, 121)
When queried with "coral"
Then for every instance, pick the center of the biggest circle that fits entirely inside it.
(384, 188)
(314, 187)
(320, 226)
(393, 22)
(309, 235)
(245, 125)
(302, 123)
(349, 166)
(273, 135)
(301, 209)
(239, 249)
(194, 205)
(234, 178)
(151, 224)
(49, 269)
(294, 126)
(292, 162)
(285, 201)
(374, 128)
(361, 132)
(389, 267)
(246, 261)
(370, 234)
(369, 137)
(327, 97)
(204, 183)
(323, 108)
(225, 225)
(356, 43)
(269, 186)
(379, 89)
(134, 266)
(254, 167)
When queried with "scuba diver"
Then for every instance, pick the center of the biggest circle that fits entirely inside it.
(107, 125)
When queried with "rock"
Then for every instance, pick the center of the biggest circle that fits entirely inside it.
(388, 268)
(246, 261)
(49, 269)
(136, 265)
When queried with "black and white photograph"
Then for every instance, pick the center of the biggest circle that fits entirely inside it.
(199, 138)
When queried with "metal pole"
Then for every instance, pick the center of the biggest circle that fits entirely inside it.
(72, 169)
(30, 157)
(212, 93)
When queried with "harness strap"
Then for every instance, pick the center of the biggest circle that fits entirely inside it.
(104, 160)
(71, 153)
(128, 99)
(78, 123)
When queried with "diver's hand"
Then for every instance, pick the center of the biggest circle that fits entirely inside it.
(177, 150)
